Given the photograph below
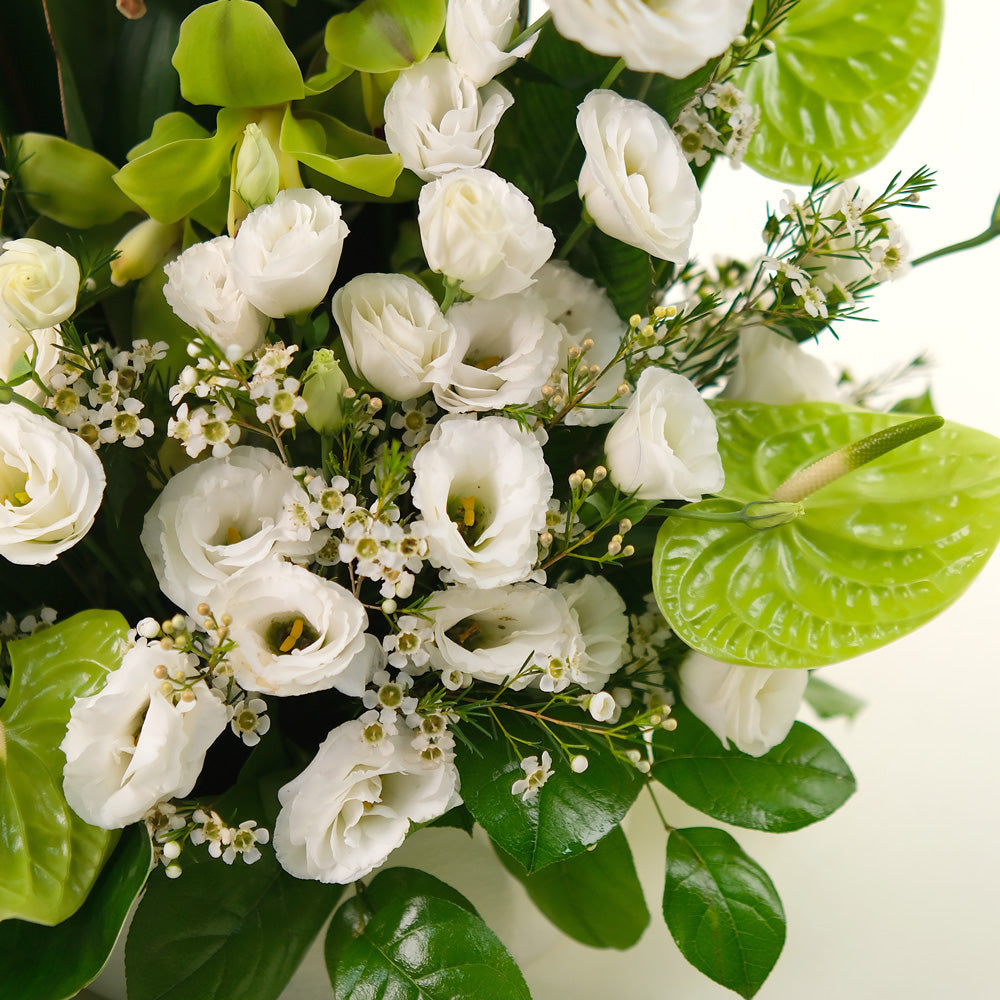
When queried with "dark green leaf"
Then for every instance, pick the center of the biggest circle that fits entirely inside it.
(54, 963)
(460, 818)
(594, 897)
(796, 783)
(722, 909)
(569, 813)
(829, 702)
(916, 404)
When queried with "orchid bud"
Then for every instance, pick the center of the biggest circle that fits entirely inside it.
(141, 249)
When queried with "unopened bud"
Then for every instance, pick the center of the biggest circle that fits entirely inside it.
(255, 178)
(323, 389)
(142, 248)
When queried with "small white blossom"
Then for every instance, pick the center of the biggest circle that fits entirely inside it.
(249, 721)
(243, 841)
(535, 775)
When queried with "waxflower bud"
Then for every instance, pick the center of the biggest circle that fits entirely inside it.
(256, 176)
(323, 388)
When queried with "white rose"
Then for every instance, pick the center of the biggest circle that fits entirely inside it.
(18, 346)
(287, 253)
(439, 120)
(294, 631)
(481, 231)
(477, 33)
(673, 37)
(482, 487)
(665, 446)
(600, 615)
(773, 369)
(392, 330)
(635, 182)
(752, 706)
(217, 517)
(353, 805)
(492, 635)
(201, 291)
(51, 485)
(38, 284)
(584, 312)
(504, 350)
(132, 744)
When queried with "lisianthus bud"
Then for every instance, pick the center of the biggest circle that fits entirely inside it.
(256, 176)
(323, 388)
(142, 248)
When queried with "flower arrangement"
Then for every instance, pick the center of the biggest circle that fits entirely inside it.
(393, 465)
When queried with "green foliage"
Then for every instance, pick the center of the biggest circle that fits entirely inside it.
(594, 897)
(877, 553)
(830, 702)
(379, 36)
(845, 78)
(55, 963)
(798, 782)
(408, 936)
(49, 858)
(722, 909)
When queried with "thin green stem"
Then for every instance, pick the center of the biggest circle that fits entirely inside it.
(532, 29)
(975, 241)
(613, 74)
(582, 227)
(659, 811)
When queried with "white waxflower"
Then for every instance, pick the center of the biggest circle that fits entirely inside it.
(201, 290)
(482, 487)
(481, 231)
(602, 619)
(19, 346)
(286, 253)
(140, 739)
(51, 485)
(353, 805)
(392, 330)
(673, 37)
(38, 284)
(439, 120)
(295, 632)
(602, 707)
(771, 368)
(492, 635)
(218, 517)
(635, 182)
(752, 706)
(477, 33)
(665, 446)
(504, 350)
(536, 773)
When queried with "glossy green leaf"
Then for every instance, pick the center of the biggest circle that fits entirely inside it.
(829, 701)
(594, 897)
(722, 909)
(49, 858)
(876, 553)
(798, 782)
(68, 183)
(379, 36)
(231, 53)
(342, 153)
(845, 78)
(55, 963)
(408, 938)
(227, 930)
(569, 813)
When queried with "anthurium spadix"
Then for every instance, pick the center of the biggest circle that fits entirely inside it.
(862, 554)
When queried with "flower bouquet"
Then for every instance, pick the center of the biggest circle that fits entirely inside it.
(375, 457)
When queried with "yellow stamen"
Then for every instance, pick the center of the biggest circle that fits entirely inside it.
(468, 511)
(293, 636)
(232, 535)
(489, 362)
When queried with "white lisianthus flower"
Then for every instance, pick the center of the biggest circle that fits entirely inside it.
(138, 741)
(773, 369)
(201, 291)
(492, 635)
(482, 488)
(584, 312)
(665, 446)
(353, 805)
(673, 37)
(218, 517)
(392, 330)
(51, 485)
(504, 350)
(286, 253)
(481, 231)
(38, 284)
(294, 631)
(440, 120)
(636, 183)
(601, 617)
(477, 33)
(17, 343)
(752, 706)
